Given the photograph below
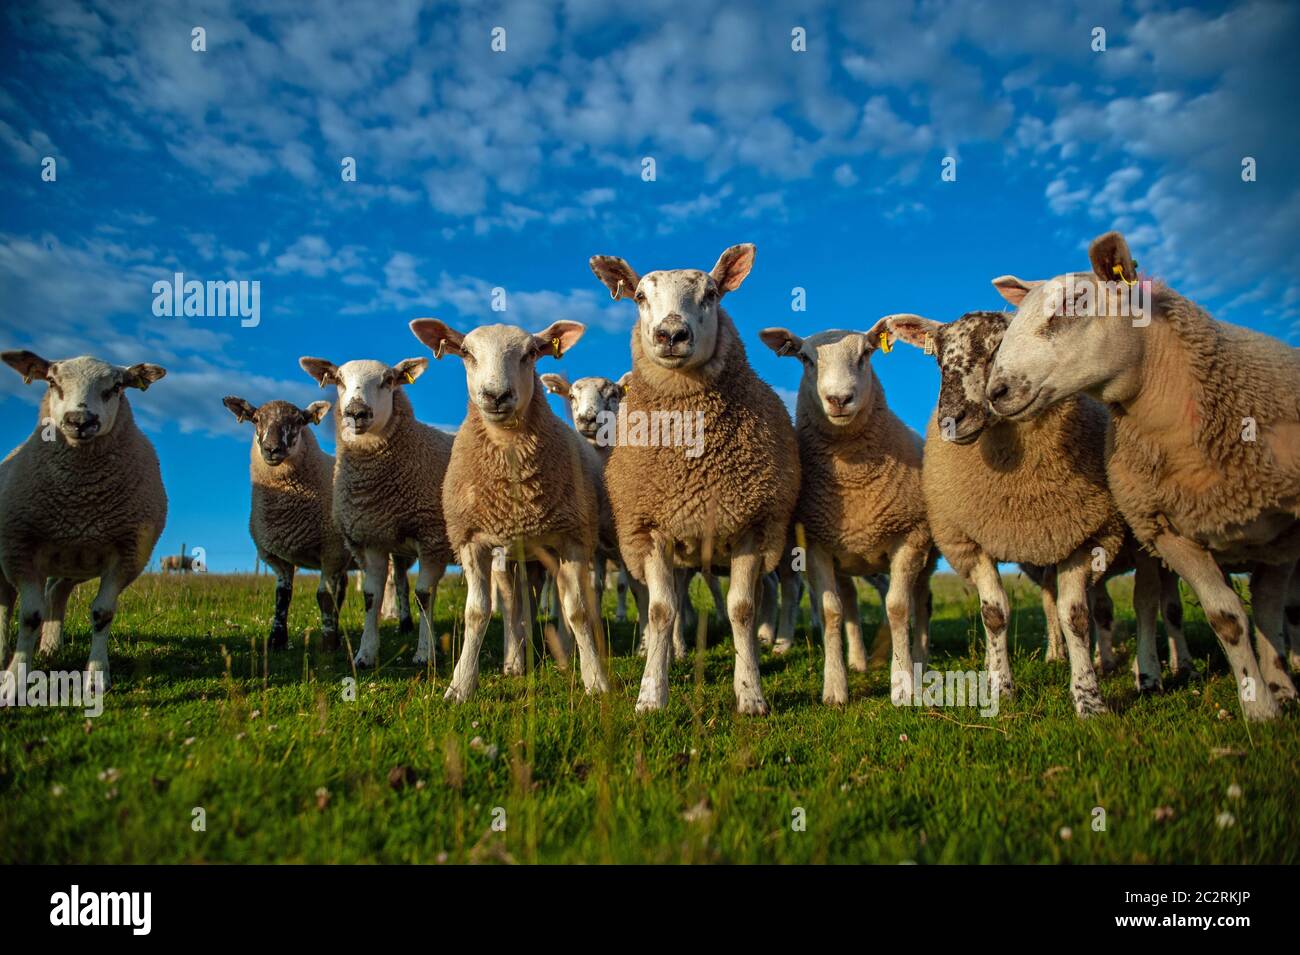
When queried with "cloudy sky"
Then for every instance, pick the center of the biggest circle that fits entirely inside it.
(478, 169)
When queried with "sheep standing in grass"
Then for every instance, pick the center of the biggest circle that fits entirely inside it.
(727, 496)
(999, 491)
(520, 483)
(860, 503)
(81, 498)
(292, 503)
(1204, 449)
(388, 475)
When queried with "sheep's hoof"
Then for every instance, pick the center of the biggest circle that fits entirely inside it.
(98, 671)
(513, 669)
(1087, 705)
(598, 685)
(1055, 655)
(835, 696)
(1261, 709)
(652, 698)
(1149, 684)
(51, 646)
(782, 647)
(363, 660)
(458, 694)
(421, 657)
(751, 705)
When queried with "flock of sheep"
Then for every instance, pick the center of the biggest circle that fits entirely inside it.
(1072, 441)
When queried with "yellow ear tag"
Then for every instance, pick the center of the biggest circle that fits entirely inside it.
(884, 343)
(929, 343)
(409, 379)
(555, 347)
(1119, 270)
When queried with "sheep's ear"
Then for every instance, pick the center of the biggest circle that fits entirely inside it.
(241, 409)
(559, 338)
(325, 372)
(316, 411)
(556, 384)
(913, 329)
(1111, 259)
(440, 337)
(28, 364)
(1013, 289)
(733, 265)
(142, 376)
(617, 275)
(406, 371)
(782, 341)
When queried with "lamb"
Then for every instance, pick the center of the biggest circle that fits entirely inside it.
(725, 498)
(994, 491)
(1204, 438)
(292, 503)
(861, 505)
(81, 498)
(522, 484)
(388, 475)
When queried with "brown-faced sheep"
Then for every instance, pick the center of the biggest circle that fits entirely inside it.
(81, 498)
(1204, 449)
(388, 474)
(291, 519)
(520, 483)
(860, 504)
(706, 470)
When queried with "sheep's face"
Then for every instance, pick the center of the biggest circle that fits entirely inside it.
(85, 393)
(589, 399)
(365, 390)
(837, 375)
(965, 350)
(278, 425)
(500, 361)
(677, 309)
(1079, 332)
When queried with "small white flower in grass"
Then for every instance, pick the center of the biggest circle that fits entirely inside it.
(322, 798)
(240, 735)
(56, 790)
(189, 741)
(902, 737)
(110, 775)
(1066, 833)
(1224, 715)
(112, 793)
(1163, 813)
(1234, 791)
(1225, 820)
(255, 714)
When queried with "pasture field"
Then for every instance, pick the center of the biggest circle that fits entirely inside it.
(285, 769)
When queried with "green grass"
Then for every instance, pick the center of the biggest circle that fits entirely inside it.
(286, 770)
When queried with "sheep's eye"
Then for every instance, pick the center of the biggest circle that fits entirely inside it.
(640, 297)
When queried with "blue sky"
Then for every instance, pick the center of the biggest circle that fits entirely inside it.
(478, 169)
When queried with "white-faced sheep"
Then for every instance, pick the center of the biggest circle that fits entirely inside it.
(860, 501)
(81, 498)
(388, 475)
(721, 488)
(998, 491)
(291, 520)
(1204, 450)
(520, 483)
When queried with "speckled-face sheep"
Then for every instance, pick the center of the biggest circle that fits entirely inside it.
(291, 518)
(997, 491)
(725, 499)
(388, 475)
(1204, 455)
(81, 498)
(860, 503)
(520, 482)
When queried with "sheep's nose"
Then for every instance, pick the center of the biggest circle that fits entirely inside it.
(998, 388)
(672, 332)
(497, 399)
(839, 402)
(83, 423)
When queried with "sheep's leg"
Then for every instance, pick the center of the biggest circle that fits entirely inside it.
(476, 564)
(279, 638)
(906, 564)
(1072, 610)
(641, 600)
(102, 611)
(8, 596)
(401, 592)
(1055, 639)
(882, 645)
(1101, 613)
(509, 587)
(330, 594)
(1171, 609)
(577, 601)
(620, 608)
(686, 620)
(995, 610)
(815, 609)
(388, 608)
(791, 592)
(746, 566)
(376, 568)
(1291, 613)
(922, 609)
(851, 621)
(31, 596)
(426, 595)
(715, 591)
(661, 587)
(768, 609)
(825, 594)
(1146, 604)
(1227, 617)
(1268, 587)
(57, 591)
